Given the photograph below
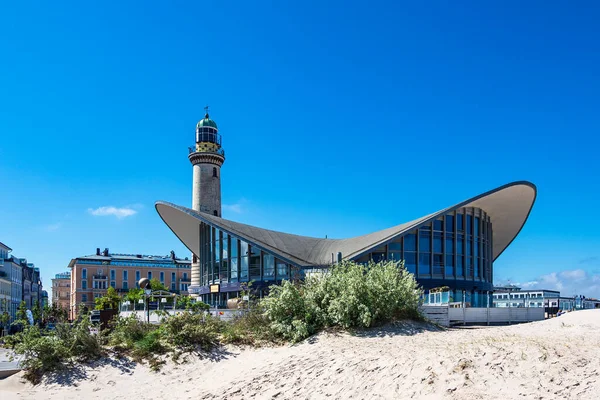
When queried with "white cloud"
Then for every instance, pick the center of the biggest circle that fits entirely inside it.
(235, 208)
(569, 283)
(120, 213)
(53, 227)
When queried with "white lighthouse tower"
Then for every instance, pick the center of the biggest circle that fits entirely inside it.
(207, 157)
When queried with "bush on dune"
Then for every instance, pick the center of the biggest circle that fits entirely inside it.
(348, 295)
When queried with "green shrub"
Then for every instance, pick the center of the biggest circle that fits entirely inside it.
(249, 328)
(44, 352)
(188, 331)
(347, 295)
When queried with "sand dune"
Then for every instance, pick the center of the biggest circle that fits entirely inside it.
(554, 359)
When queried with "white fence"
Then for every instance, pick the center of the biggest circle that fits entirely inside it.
(156, 317)
(446, 316)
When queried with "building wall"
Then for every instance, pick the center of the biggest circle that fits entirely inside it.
(89, 281)
(61, 292)
(206, 194)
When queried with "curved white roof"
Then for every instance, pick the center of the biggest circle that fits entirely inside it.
(508, 207)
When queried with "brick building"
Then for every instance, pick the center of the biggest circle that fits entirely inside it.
(61, 290)
(91, 276)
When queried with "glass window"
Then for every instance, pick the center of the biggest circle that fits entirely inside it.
(477, 223)
(113, 274)
(254, 263)
(173, 277)
(438, 264)
(438, 225)
(410, 242)
(460, 271)
(470, 266)
(137, 276)
(282, 270)
(449, 223)
(460, 243)
(268, 267)
(449, 265)
(125, 285)
(469, 247)
(377, 256)
(173, 286)
(84, 298)
(460, 223)
(218, 248)
(449, 243)
(113, 284)
(185, 276)
(410, 260)
(395, 256)
(149, 274)
(395, 246)
(84, 273)
(84, 285)
(469, 224)
(424, 241)
(437, 243)
(424, 263)
(125, 275)
(244, 261)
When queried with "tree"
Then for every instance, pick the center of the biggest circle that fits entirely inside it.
(22, 313)
(134, 295)
(110, 301)
(155, 285)
(36, 310)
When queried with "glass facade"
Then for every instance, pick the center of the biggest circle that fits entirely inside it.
(454, 250)
(230, 261)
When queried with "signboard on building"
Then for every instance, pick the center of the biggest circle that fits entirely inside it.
(216, 288)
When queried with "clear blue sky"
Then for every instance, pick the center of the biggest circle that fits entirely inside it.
(338, 119)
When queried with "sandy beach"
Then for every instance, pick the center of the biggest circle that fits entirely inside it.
(553, 359)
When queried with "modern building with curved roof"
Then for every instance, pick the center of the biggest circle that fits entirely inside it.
(454, 247)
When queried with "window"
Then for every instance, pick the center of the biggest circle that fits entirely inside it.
(424, 241)
(477, 223)
(137, 276)
(125, 285)
(162, 277)
(173, 286)
(460, 266)
(282, 270)
(438, 225)
(149, 274)
(125, 275)
(460, 223)
(215, 213)
(113, 284)
(254, 263)
(113, 275)
(395, 251)
(84, 273)
(214, 172)
(185, 277)
(244, 261)
(449, 243)
(460, 244)
(173, 278)
(437, 242)
(469, 224)
(410, 242)
(410, 259)
(268, 267)
(233, 260)
(84, 298)
(438, 264)
(449, 265)
(449, 223)
(84, 285)
(424, 263)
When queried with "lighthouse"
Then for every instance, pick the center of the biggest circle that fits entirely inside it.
(207, 157)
